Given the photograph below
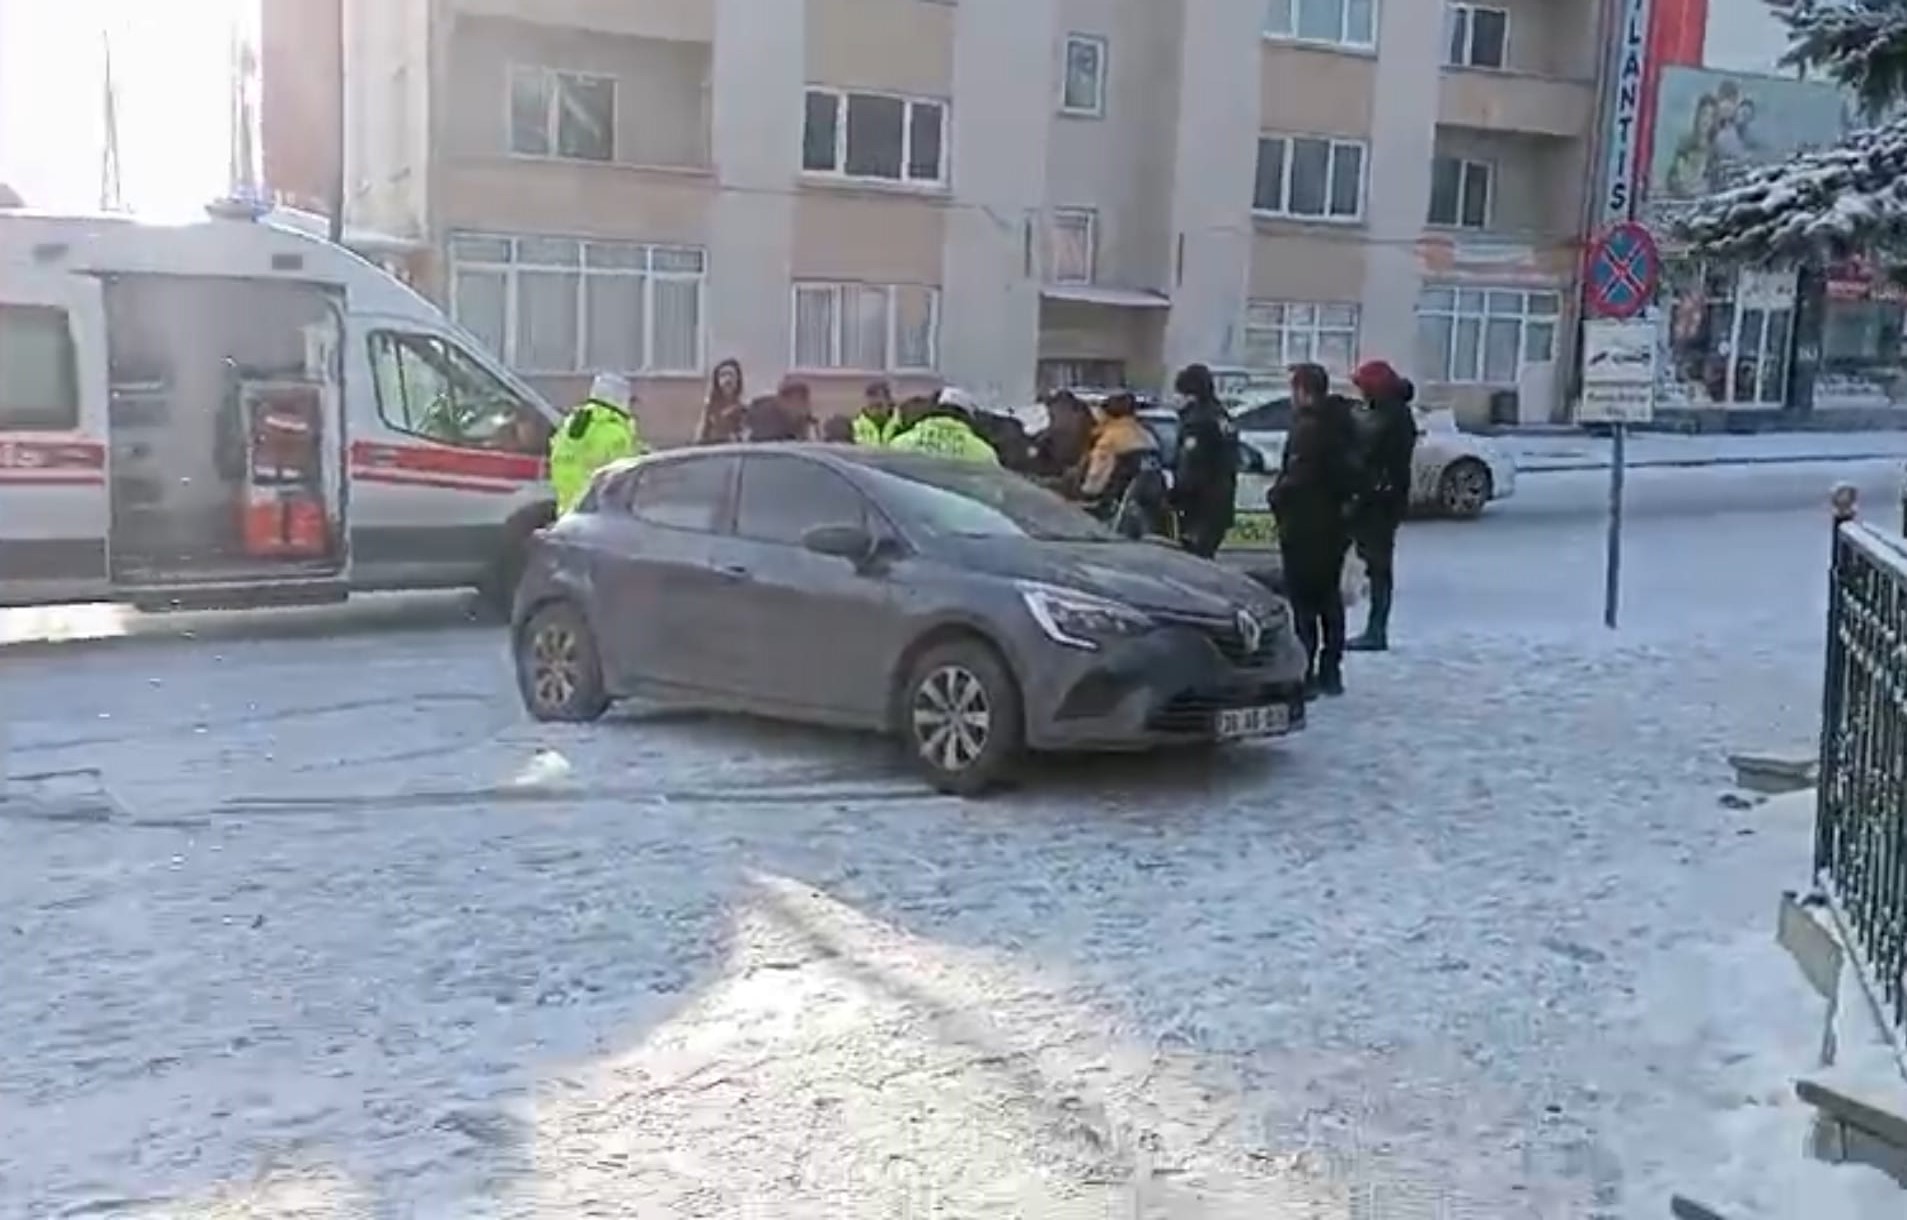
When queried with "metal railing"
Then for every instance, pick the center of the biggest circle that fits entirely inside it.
(1860, 850)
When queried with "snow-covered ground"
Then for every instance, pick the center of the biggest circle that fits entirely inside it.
(1461, 950)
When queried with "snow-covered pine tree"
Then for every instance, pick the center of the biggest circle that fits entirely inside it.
(1834, 202)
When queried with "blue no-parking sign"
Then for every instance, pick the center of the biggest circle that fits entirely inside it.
(1623, 270)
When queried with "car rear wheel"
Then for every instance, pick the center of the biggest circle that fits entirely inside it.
(557, 667)
(961, 718)
(1464, 490)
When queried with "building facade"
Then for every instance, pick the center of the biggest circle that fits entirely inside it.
(1752, 348)
(1002, 194)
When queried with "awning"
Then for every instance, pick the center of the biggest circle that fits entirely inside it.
(1117, 298)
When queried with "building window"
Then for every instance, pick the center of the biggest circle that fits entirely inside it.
(1460, 192)
(1344, 23)
(1476, 37)
(1484, 336)
(561, 305)
(876, 136)
(571, 115)
(1310, 177)
(1279, 334)
(1075, 245)
(1083, 85)
(39, 370)
(875, 328)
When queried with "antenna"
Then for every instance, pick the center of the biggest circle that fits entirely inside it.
(112, 196)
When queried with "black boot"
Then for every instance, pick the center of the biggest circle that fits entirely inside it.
(1331, 652)
(1376, 637)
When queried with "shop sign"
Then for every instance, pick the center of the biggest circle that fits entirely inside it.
(1765, 290)
(1619, 186)
(1618, 372)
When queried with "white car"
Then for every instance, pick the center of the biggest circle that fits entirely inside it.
(1453, 474)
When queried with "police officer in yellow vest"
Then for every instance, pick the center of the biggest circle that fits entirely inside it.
(600, 431)
(878, 422)
(947, 430)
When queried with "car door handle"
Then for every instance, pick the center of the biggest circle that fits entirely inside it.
(731, 571)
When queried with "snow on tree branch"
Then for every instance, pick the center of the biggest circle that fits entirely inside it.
(1830, 204)
(1861, 44)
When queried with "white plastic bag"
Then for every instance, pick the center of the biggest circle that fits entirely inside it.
(1354, 580)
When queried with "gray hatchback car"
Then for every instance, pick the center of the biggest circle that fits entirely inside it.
(955, 606)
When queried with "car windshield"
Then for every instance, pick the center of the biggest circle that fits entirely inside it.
(965, 500)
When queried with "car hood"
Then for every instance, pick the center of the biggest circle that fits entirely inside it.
(1146, 575)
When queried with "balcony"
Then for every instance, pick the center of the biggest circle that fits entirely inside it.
(1516, 102)
(666, 20)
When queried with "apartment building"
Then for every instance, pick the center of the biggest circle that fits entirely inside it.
(1003, 194)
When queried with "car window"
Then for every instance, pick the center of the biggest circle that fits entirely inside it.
(429, 387)
(39, 374)
(689, 494)
(782, 498)
(969, 500)
(1272, 416)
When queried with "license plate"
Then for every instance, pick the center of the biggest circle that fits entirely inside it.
(1254, 722)
(1252, 532)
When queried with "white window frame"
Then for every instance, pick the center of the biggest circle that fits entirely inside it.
(1465, 14)
(840, 288)
(840, 172)
(1338, 145)
(553, 112)
(1343, 41)
(1285, 329)
(1527, 316)
(1464, 166)
(1091, 217)
(1097, 109)
(515, 267)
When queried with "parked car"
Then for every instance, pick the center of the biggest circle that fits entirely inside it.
(1453, 474)
(956, 607)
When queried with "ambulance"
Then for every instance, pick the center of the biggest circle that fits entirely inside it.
(235, 412)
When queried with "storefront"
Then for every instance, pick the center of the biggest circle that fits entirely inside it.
(1863, 365)
(1728, 338)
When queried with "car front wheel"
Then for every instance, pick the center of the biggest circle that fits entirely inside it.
(557, 668)
(961, 718)
(1464, 490)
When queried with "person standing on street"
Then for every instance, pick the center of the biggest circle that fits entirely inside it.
(1312, 500)
(1387, 437)
(947, 429)
(600, 431)
(724, 415)
(1205, 481)
(878, 422)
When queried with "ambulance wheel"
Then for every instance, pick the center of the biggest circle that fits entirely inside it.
(558, 669)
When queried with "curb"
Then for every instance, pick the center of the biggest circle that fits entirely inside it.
(1568, 466)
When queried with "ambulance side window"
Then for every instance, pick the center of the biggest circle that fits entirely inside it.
(39, 370)
(428, 387)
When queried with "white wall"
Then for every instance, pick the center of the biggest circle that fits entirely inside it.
(1005, 77)
(1212, 174)
(760, 50)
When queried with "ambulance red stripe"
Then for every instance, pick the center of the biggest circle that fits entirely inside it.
(22, 454)
(445, 461)
(402, 478)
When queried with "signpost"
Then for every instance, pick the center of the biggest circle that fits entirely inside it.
(1618, 390)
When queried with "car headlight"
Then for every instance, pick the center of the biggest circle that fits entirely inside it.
(1080, 620)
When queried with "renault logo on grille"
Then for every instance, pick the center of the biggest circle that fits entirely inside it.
(1249, 630)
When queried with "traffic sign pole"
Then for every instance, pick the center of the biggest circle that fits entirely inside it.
(1623, 272)
(1612, 567)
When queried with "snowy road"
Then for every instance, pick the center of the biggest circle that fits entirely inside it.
(304, 953)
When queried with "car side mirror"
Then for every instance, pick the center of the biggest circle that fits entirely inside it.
(849, 542)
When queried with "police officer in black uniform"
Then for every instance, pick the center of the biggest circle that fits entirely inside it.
(1205, 479)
